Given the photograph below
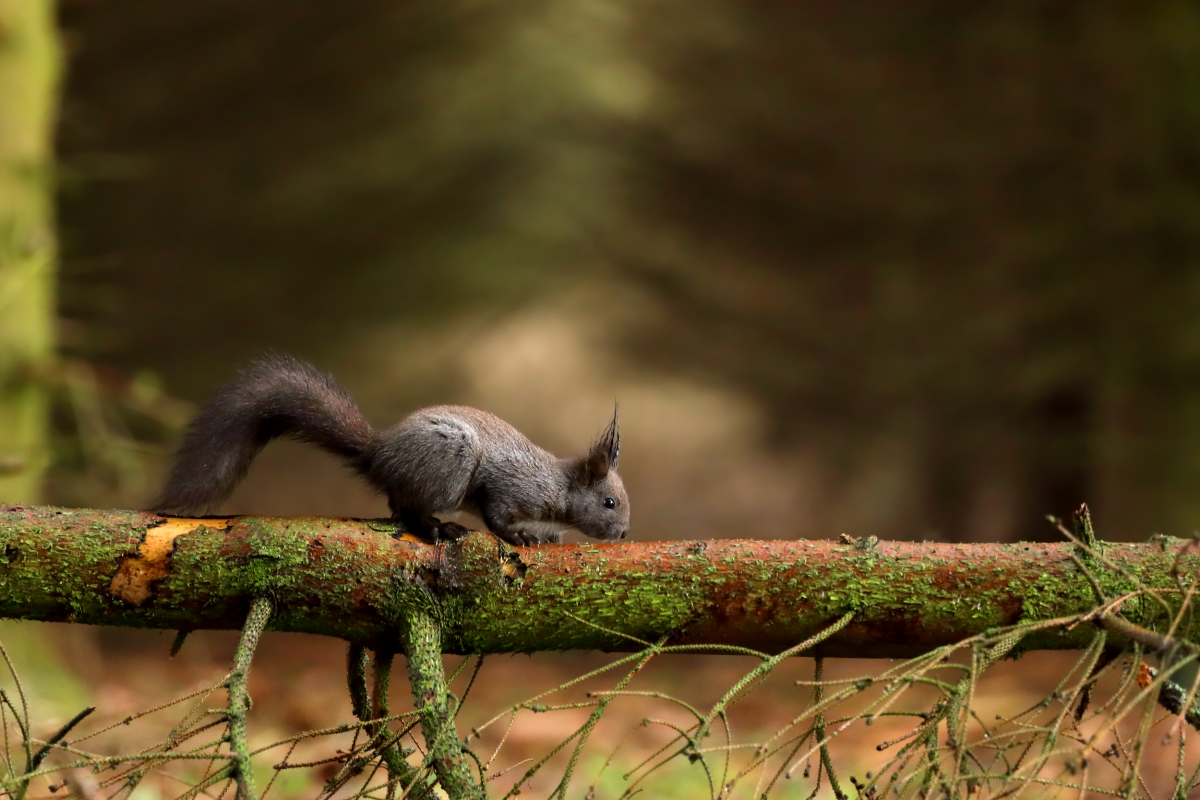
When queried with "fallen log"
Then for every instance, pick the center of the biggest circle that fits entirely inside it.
(359, 580)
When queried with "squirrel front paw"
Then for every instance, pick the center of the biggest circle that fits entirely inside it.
(518, 537)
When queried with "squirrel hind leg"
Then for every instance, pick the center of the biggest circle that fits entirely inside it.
(426, 463)
(429, 527)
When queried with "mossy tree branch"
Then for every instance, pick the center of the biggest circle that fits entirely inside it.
(392, 754)
(355, 580)
(239, 696)
(423, 646)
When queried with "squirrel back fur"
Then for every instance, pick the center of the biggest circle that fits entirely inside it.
(438, 459)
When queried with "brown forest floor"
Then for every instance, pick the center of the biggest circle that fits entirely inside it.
(298, 683)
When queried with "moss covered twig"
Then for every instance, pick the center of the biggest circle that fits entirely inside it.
(356, 681)
(239, 696)
(394, 757)
(423, 645)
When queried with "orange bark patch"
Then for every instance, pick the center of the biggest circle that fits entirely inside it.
(1145, 675)
(135, 578)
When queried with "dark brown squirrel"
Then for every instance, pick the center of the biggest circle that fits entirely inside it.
(439, 459)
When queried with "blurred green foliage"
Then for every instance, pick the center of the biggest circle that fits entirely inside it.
(278, 174)
(962, 239)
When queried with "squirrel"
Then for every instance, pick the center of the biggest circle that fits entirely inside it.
(438, 459)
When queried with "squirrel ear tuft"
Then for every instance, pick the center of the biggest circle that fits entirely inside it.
(610, 440)
(603, 455)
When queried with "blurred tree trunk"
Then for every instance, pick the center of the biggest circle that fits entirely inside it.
(29, 71)
(30, 62)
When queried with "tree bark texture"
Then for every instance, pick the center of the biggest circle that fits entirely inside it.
(360, 581)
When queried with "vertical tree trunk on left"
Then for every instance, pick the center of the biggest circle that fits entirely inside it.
(29, 74)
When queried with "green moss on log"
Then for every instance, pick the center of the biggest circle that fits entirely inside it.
(356, 580)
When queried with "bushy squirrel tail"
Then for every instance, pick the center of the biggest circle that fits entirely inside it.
(274, 396)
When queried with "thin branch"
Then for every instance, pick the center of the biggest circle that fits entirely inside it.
(423, 645)
(239, 696)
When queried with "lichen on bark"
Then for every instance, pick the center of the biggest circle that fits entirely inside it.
(359, 580)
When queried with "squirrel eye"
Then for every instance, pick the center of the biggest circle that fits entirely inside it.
(610, 503)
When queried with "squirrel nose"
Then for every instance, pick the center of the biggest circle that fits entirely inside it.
(624, 533)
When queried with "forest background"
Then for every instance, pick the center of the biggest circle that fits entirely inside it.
(919, 271)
